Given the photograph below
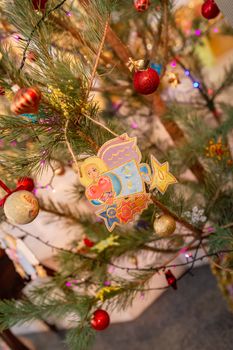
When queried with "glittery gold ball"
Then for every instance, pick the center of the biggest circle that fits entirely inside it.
(165, 225)
(21, 207)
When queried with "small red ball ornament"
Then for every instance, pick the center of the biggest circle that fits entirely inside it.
(88, 243)
(100, 320)
(210, 9)
(141, 5)
(26, 100)
(26, 183)
(146, 81)
(32, 56)
(39, 4)
(171, 279)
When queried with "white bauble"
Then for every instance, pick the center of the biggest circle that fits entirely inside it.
(21, 207)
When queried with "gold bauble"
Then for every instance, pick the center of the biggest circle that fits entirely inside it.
(21, 207)
(164, 226)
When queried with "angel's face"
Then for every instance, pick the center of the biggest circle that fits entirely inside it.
(92, 171)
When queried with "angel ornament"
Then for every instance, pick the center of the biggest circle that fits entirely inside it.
(115, 180)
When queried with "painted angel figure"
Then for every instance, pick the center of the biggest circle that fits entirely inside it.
(116, 176)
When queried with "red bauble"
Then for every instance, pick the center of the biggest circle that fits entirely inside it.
(146, 81)
(141, 5)
(26, 100)
(171, 279)
(39, 4)
(210, 9)
(2, 91)
(27, 183)
(100, 320)
(32, 56)
(88, 243)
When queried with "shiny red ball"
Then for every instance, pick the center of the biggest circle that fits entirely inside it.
(146, 81)
(210, 9)
(141, 5)
(100, 320)
(27, 183)
(39, 4)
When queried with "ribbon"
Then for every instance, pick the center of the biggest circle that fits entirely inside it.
(9, 192)
(135, 65)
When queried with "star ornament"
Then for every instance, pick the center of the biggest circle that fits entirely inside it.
(107, 292)
(106, 243)
(161, 178)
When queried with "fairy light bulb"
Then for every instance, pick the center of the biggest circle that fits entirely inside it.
(196, 84)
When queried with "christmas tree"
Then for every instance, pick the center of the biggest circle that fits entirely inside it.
(85, 83)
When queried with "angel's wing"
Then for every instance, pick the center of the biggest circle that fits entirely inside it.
(119, 151)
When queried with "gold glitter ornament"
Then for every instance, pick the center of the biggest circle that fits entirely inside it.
(217, 150)
(164, 225)
(21, 207)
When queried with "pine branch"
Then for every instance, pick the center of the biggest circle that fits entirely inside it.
(38, 24)
(80, 338)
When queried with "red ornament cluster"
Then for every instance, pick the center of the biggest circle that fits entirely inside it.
(141, 5)
(146, 81)
(26, 100)
(210, 9)
(171, 279)
(100, 320)
(39, 4)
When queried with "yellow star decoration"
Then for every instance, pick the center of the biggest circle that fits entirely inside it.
(105, 243)
(161, 178)
(104, 292)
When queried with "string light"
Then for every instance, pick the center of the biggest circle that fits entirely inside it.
(134, 125)
(173, 63)
(16, 37)
(142, 296)
(196, 85)
(197, 32)
(187, 72)
(107, 283)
